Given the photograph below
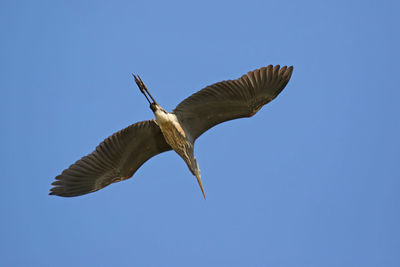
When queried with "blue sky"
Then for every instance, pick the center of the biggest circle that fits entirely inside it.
(311, 180)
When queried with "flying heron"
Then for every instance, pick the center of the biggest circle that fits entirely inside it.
(119, 156)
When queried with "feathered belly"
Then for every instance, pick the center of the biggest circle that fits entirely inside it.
(175, 136)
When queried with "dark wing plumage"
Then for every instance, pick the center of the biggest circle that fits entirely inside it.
(232, 99)
(117, 158)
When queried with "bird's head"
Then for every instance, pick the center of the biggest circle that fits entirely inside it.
(154, 107)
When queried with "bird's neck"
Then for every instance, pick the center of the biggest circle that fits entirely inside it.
(161, 116)
(168, 122)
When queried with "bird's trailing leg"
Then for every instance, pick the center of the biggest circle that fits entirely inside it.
(194, 168)
(191, 161)
(143, 88)
(198, 177)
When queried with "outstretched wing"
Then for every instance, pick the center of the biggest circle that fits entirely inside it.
(232, 99)
(117, 158)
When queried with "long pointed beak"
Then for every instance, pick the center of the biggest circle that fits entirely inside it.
(143, 88)
(201, 185)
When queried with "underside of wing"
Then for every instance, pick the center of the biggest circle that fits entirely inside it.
(117, 158)
(232, 99)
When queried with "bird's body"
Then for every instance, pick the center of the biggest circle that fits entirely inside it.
(119, 156)
(171, 128)
(176, 137)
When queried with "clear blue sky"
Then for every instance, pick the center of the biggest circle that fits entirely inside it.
(312, 180)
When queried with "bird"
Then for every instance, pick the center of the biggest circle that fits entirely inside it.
(120, 155)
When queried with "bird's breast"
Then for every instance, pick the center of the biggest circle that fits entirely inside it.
(171, 129)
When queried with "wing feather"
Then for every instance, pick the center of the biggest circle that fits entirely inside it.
(117, 158)
(232, 99)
